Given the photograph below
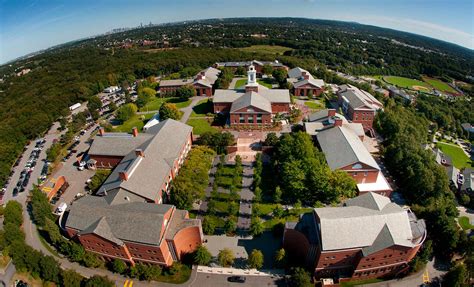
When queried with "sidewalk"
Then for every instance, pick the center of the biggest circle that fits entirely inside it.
(189, 109)
(241, 272)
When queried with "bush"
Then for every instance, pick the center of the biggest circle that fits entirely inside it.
(118, 266)
(125, 112)
(185, 92)
(256, 226)
(226, 257)
(208, 226)
(99, 281)
(169, 111)
(255, 259)
(202, 256)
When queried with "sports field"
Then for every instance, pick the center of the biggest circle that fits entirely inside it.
(439, 85)
(266, 49)
(403, 82)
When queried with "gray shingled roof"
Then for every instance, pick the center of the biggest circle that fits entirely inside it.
(342, 148)
(251, 99)
(117, 144)
(297, 73)
(177, 82)
(131, 221)
(315, 82)
(361, 225)
(272, 95)
(359, 98)
(453, 174)
(148, 174)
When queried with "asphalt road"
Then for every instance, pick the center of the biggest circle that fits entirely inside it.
(206, 280)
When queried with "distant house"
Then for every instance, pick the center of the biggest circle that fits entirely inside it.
(401, 94)
(469, 129)
(258, 65)
(328, 118)
(441, 158)
(468, 181)
(253, 106)
(345, 151)
(453, 176)
(367, 237)
(358, 105)
(304, 84)
(203, 82)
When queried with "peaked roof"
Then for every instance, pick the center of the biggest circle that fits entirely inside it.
(251, 99)
(342, 148)
(358, 99)
(315, 82)
(102, 228)
(272, 95)
(117, 144)
(148, 174)
(369, 222)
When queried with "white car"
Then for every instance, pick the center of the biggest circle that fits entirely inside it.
(80, 167)
(61, 208)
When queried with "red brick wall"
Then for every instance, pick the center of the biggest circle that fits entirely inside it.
(295, 244)
(105, 248)
(366, 174)
(366, 118)
(235, 119)
(170, 88)
(187, 240)
(304, 90)
(151, 254)
(105, 161)
(280, 108)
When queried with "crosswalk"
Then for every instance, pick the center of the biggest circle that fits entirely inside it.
(128, 283)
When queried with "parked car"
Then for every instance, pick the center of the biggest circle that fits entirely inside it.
(236, 279)
(15, 191)
(61, 208)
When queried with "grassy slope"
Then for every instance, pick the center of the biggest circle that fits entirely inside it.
(265, 49)
(202, 108)
(460, 159)
(200, 126)
(465, 224)
(135, 121)
(439, 85)
(156, 103)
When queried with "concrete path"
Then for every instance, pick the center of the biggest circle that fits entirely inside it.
(240, 272)
(233, 82)
(246, 197)
(189, 109)
(6, 274)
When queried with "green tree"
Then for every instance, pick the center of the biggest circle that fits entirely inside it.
(112, 107)
(278, 211)
(91, 260)
(277, 195)
(169, 111)
(456, 276)
(50, 269)
(280, 76)
(267, 69)
(40, 207)
(12, 233)
(99, 281)
(255, 259)
(13, 213)
(208, 226)
(233, 208)
(257, 194)
(226, 257)
(185, 92)
(70, 278)
(118, 266)
(230, 225)
(126, 112)
(280, 257)
(53, 231)
(94, 103)
(300, 278)
(271, 139)
(240, 71)
(202, 256)
(256, 226)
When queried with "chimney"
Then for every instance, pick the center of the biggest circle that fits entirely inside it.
(139, 152)
(338, 122)
(331, 112)
(123, 175)
(101, 131)
(134, 131)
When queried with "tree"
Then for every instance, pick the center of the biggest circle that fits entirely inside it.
(271, 139)
(211, 206)
(91, 260)
(185, 92)
(70, 278)
(12, 233)
(169, 111)
(280, 257)
(256, 226)
(240, 71)
(257, 194)
(277, 195)
(40, 207)
(208, 226)
(278, 211)
(280, 76)
(255, 259)
(94, 103)
(50, 269)
(267, 69)
(456, 276)
(126, 111)
(300, 278)
(13, 213)
(112, 107)
(233, 208)
(96, 281)
(230, 225)
(145, 95)
(118, 266)
(53, 231)
(226, 257)
(202, 256)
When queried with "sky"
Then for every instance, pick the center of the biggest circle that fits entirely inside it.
(30, 25)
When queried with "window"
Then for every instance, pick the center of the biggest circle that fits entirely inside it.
(250, 119)
(241, 118)
(259, 119)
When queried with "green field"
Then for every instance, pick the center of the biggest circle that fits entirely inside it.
(266, 49)
(156, 103)
(201, 126)
(403, 82)
(264, 82)
(464, 222)
(360, 282)
(314, 105)
(202, 108)
(439, 85)
(135, 121)
(460, 159)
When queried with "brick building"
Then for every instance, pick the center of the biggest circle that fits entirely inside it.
(358, 106)
(258, 65)
(345, 151)
(304, 84)
(144, 163)
(124, 226)
(203, 82)
(367, 237)
(328, 118)
(253, 106)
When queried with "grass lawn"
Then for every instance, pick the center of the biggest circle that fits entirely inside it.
(314, 105)
(225, 177)
(178, 278)
(268, 82)
(4, 259)
(135, 121)
(266, 208)
(404, 82)
(266, 49)
(439, 85)
(156, 103)
(464, 222)
(202, 108)
(460, 159)
(219, 222)
(360, 282)
(201, 126)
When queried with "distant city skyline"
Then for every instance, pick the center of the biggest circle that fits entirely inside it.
(28, 26)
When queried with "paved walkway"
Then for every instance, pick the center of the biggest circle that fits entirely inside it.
(246, 197)
(189, 109)
(242, 272)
